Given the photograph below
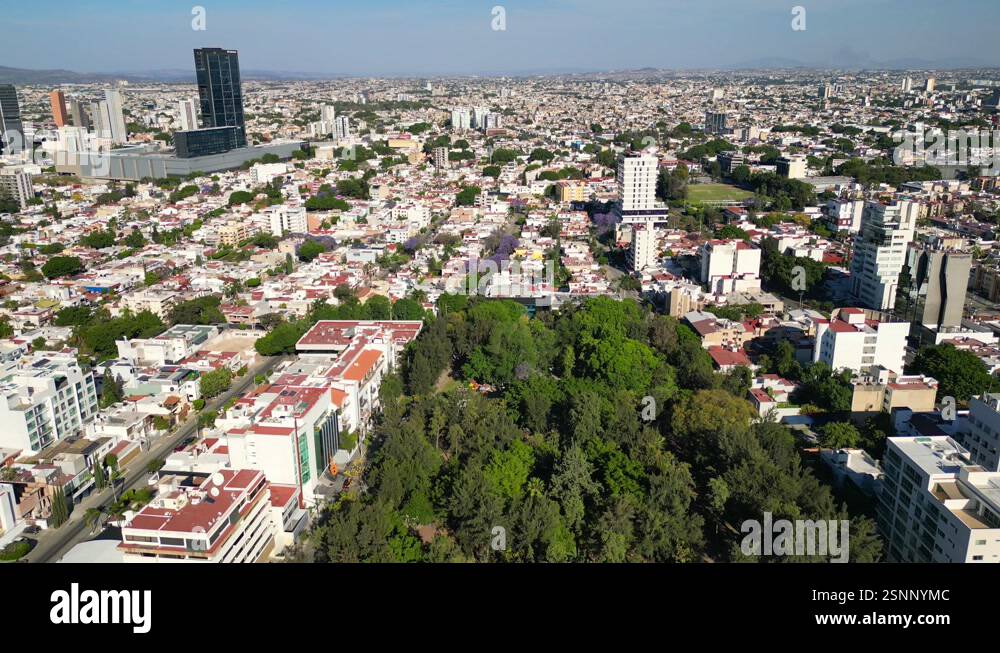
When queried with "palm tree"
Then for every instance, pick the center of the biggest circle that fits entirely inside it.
(92, 518)
(116, 475)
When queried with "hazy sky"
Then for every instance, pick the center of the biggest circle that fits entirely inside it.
(392, 37)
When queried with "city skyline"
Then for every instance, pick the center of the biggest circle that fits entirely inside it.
(445, 37)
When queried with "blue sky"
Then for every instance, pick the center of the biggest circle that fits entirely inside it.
(424, 37)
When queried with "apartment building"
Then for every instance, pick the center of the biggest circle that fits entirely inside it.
(46, 397)
(845, 215)
(170, 347)
(883, 391)
(981, 432)
(643, 252)
(159, 302)
(880, 251)
(734, 261)
(223, 518)
(289, 430)
(791, 167)
(571, 191)
(233, 233)
(935, 505)
(286, 219)
(858, 340)
(16, 185)
(636, 178)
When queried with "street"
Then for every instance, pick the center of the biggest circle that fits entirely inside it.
(54, 543)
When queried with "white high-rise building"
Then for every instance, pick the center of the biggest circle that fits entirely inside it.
(441, 157)
(189, 114)
(115, 115)
(936, 505)
(907, 84)
(730, 264)
(880, 251)
(636, 177)
(981, 432)
(461, 119)
(855, 340)
(44, 398)
(479, 117)
(327, 123)
(643, 251)
(343, 130)
(845, 215)
(16, 184)
(288, 220)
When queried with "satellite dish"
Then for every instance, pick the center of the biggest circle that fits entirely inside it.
(218, 478)
(214, 491)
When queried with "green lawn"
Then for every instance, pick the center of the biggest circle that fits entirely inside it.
(716, 192)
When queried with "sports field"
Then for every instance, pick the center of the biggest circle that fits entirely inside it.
(716, 193)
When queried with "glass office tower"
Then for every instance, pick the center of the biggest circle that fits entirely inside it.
(218, 72)
(11, 129)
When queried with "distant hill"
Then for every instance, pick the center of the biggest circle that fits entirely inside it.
(26, 76)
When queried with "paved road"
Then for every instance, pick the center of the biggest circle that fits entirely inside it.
(54, 543)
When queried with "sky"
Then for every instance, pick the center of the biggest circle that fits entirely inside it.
(440, 37)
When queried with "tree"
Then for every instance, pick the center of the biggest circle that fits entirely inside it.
(467, 196)
(207, 419)
(62, 266)
(60, 507)
(213, 384)
(112, 391)
(309, 250)
(92, 518)
(839, 435)
(100, 478)
(98, 239)
(960, 374)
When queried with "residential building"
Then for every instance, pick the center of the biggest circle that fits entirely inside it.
(643, 252)
(981, 432)
(733, 261)
(287, 219)
(16, 185)
(791, 167)
(441, 157)
(845, 215)
(636, 179)
(859, 340)
(880, 251)
(883, 391)
(224, 518)
(936, 505)
(46, 397)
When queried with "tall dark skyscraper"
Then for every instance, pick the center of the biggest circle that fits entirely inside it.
(10, 119)
(219, 89)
